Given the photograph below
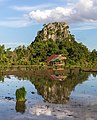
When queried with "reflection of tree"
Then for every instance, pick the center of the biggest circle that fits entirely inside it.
(54, 90)
(94, 74)
(58, 91)
(20, 100)
(8, 76)
(2, 78)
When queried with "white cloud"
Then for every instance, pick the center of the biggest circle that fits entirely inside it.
(30, 8)
(82, 11)
(15, 23)
(87, 10)
(57, 14)
(74, 11)
(84, 26)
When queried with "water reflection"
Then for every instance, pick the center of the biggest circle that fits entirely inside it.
(20, 106)
(53, 86)
(78, 89)
(56, 87)
(94, 74)
(2, 78)
(56, 91)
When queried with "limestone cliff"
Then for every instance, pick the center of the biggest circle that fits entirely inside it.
(54, 31)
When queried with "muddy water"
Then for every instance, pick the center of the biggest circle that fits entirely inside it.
(49, 96)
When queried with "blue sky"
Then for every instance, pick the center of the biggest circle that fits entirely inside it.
(21, 19)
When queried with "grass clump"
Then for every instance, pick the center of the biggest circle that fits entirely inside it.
(20, 94)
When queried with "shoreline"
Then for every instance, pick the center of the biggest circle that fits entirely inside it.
(89, 69)
(45, 67)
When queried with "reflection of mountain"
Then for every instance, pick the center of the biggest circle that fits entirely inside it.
(54, 86)
(55, 91)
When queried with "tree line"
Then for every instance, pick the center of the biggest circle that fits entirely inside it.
(37, 52)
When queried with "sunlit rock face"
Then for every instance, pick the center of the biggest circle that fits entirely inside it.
(54, 31)
(56, 94)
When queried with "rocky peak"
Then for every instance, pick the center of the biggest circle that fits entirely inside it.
(54, 31)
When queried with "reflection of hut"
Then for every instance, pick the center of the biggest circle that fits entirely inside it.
(57, 60)
(57, 77)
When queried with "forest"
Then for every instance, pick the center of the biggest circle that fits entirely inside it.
(77, 54)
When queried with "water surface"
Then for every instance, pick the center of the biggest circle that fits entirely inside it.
(51, 89)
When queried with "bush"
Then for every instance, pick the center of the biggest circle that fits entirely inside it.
(20, 94)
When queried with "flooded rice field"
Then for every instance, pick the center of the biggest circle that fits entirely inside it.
(49, 96)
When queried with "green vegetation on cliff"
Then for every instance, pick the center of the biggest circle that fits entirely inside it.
(54, 38)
